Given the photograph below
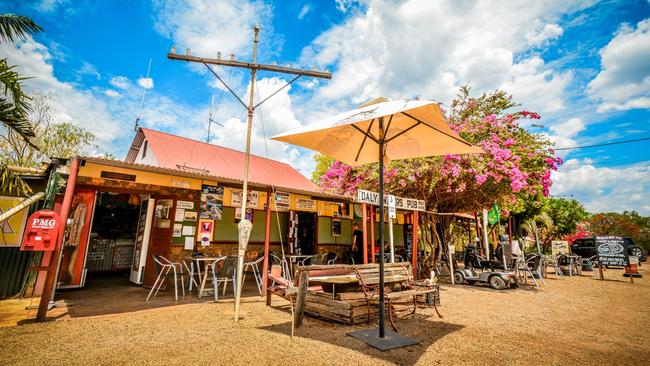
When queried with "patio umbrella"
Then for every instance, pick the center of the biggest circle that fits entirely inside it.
(380, 131)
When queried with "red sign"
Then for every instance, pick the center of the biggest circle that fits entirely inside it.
(42, 231)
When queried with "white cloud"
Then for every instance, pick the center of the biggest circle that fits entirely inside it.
(121, 82)
(548, 33)
(46, 6)
(563, 134)
(272, 117)
(602, 188)
(304, 11)
(146, 83)
(112, 93)
(88, 69)
(428, 49)
(624, 80)
(208, 27)
(68, 103)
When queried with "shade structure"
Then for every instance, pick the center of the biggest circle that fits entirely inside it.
(412, 128)
(381, 131)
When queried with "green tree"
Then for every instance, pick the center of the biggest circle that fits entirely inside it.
(14, 103)
(323, 162)
(59, 140)
(628, 223)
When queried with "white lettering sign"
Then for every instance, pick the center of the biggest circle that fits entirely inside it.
(401, 203)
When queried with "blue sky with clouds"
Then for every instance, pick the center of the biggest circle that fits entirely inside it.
(584, 65)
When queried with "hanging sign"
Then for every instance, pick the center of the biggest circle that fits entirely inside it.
(305, 204)
(401, 203)
(282, 201)
(392, 212)
(235, 198)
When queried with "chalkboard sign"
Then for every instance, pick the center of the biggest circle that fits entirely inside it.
(611, 251)
(408, 239)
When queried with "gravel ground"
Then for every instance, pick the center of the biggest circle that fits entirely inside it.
(577, 320)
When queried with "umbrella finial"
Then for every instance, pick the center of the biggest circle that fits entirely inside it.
(374, 101)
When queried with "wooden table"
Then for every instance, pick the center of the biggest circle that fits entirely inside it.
(335, 280)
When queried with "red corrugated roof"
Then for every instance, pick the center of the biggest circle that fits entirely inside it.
(175, 152)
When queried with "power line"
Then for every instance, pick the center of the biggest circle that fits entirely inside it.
(603, 144)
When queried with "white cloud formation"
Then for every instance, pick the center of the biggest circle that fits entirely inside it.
(112, 93)
(624, 80)
(304, 11)
(428, 49)
(146, 83)
(274, 116)
(121, 82)
(208, 27)
(563, 134)
(68, 102)
(46, 6)
(603, 188)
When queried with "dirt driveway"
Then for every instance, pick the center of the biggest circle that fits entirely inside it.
(578, 320)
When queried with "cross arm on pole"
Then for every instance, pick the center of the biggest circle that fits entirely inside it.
(251, 65)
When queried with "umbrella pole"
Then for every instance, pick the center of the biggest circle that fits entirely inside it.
(382, 330)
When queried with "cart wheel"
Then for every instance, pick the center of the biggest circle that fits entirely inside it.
(459, 278)
(497, 283)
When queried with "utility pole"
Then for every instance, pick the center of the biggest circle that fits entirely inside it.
(245, 226)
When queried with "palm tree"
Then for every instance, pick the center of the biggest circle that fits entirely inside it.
(531, 226)
(14, 103)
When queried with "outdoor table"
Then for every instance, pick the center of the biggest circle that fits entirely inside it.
(197, 260)
(335, 280)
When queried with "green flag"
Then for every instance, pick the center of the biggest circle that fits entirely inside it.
(493, 215)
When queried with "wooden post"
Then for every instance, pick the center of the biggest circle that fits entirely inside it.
(267, 241)
(372, 234)
(364, 227)
(478, 234)
(303, 284)
(414, 246)
(50, 278)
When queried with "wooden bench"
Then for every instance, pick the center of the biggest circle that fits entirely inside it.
(399, 284)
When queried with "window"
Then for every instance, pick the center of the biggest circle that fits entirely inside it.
(144, 149)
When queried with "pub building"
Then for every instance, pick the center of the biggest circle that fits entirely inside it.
(174, 197)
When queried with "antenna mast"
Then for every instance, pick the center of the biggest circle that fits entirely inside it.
(144, 91)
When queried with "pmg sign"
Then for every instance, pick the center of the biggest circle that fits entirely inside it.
(42, 231)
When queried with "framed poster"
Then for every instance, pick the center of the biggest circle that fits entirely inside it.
(250, 213)
(282, 201)
(211, 202)
(235, 198)
(189, 205)
(190, 216)
(206, 230)
(336, 227)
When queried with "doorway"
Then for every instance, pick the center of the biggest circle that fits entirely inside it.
(112, 239)
(306, 232)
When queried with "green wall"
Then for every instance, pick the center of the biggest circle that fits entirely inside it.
(325, 231)
(226, 229)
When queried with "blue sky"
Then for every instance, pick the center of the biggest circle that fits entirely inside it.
(584, 65)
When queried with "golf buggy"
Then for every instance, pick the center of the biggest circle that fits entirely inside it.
(479, 270)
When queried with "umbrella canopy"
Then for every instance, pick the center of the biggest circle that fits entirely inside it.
(378, 131)
(411, 129)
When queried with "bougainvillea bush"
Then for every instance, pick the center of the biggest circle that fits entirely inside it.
(514, 170)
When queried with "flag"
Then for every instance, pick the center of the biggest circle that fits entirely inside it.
(493, 215)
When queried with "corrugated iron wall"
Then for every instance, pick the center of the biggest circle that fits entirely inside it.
(13, 270)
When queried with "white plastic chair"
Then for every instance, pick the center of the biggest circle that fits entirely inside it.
(253, 266)
(167, 270)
